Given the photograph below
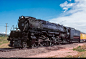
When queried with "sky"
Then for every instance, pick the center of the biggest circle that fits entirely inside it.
(70, 13)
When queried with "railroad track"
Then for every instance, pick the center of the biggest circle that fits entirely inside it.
(55, 47)
(8, 49)
(11, 49)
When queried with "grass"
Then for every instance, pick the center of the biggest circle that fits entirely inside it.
(81, 52)
(4, 42)
(79, 55)
(80, 48)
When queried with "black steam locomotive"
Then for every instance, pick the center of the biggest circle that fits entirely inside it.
(36, 32)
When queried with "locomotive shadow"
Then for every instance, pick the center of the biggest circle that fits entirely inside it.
(58, 46)
(53, 48)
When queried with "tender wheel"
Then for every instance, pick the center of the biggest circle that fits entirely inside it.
(24, 45)
(70, 41)
(79, 41)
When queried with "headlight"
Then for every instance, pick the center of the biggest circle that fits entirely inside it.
(22, 16)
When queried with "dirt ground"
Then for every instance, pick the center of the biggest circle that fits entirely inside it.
(57, 51)
(61, 53)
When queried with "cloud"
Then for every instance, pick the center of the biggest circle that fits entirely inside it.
(66, 5)
(74, 15)
(69, 0)
(2, 32)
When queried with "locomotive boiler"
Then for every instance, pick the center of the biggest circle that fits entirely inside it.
(36, 32)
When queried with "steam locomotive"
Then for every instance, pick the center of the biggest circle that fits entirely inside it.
(36, 32)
